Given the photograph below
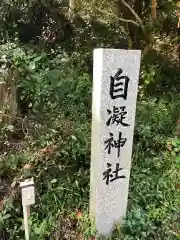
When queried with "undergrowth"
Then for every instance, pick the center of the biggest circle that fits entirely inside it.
(52, 144)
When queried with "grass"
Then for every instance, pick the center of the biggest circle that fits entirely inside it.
(58, 156)
(54, 148)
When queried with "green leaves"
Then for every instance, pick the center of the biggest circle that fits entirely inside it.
(57, 149)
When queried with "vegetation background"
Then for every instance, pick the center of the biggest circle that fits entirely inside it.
(45, 116)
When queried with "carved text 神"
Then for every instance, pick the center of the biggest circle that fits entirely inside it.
(111, 143)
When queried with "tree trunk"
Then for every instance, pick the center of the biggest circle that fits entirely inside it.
(138, 7)
(71, 12)
(153, 10)
(2, 91)
(127, 14)
(8, 95)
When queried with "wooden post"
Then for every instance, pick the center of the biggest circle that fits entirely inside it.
(26, 226)
(28, 198)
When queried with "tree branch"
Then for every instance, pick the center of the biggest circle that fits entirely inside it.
(135, 15)
(139, 24)
(118, 18)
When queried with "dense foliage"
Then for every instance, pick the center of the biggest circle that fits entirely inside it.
(50, 136)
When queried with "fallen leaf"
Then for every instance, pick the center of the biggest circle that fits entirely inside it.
(44, 150)
(49, 149)
(52, 149)
(27, 166)
(169, 147)
(79, 215)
